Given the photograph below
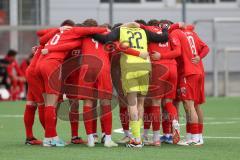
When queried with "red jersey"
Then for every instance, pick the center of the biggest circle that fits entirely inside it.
(42, 32)
(69, 36)
(188, 50)
(43, 39)
(201, 47)
(93, 47)
(35, 58)
(169, 51)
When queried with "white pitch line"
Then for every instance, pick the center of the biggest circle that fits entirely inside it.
(10, 116)
(215, 123)
(120, 131)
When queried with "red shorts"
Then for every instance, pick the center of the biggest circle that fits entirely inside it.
(202, 97)
(49, 71)
(95, 85)
(34, 89)
(191, 88)
(73, 79)
(164, 76)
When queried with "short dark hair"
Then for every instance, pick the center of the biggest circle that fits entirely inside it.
(141, 21)
(11, 53)
(79, 25)
(117, 25)
(90, 22)
(68, 22)
(153, 22)
(107, 25)
(165, 21)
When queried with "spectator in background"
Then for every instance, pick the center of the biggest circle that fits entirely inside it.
(15, 75)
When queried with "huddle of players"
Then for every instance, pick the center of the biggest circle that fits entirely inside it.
(172, 53)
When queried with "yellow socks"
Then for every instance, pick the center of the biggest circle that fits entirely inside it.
(136, 127)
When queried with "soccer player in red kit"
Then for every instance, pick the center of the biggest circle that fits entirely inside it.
(191, 82)
(73, 79)
(49, 64)
(201, 51)
(102, 82)
(34, 94)
(33, 101)
(162, 55)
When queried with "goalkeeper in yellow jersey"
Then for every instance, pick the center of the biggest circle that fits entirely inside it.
(135, 71)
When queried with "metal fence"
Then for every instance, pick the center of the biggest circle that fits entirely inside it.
(221, 43)
(20, 38)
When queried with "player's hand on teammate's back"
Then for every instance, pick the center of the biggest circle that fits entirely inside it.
(196, 60)
(44, 51)
(156, 55)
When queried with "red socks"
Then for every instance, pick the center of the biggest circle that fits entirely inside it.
(88, 116)
(188, 130)
(152, 115)
(106, 119)
(74, 121)
(200, 128)
(29, 116)
(41, 115)
(50, 121)
(156, 118)
(124, 117)
(171, 110)
(147, 117)
(94, 121)
(192, 128)
(169, 114)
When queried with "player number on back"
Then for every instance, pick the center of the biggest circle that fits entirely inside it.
(55, 39)
(134, 36)
(192, 45)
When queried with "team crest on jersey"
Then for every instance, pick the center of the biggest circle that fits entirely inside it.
(163, 45)
(76, 52)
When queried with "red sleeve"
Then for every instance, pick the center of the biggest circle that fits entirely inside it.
(46, 37)
(172, 54)
(127, 50)
(176, 49)
(173, 27)
(85, 31)
(143, 26)
(203, 48)
(65, 46)
(44, 31)
(204, 52)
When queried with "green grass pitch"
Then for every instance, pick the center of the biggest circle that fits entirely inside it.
(222, 142)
